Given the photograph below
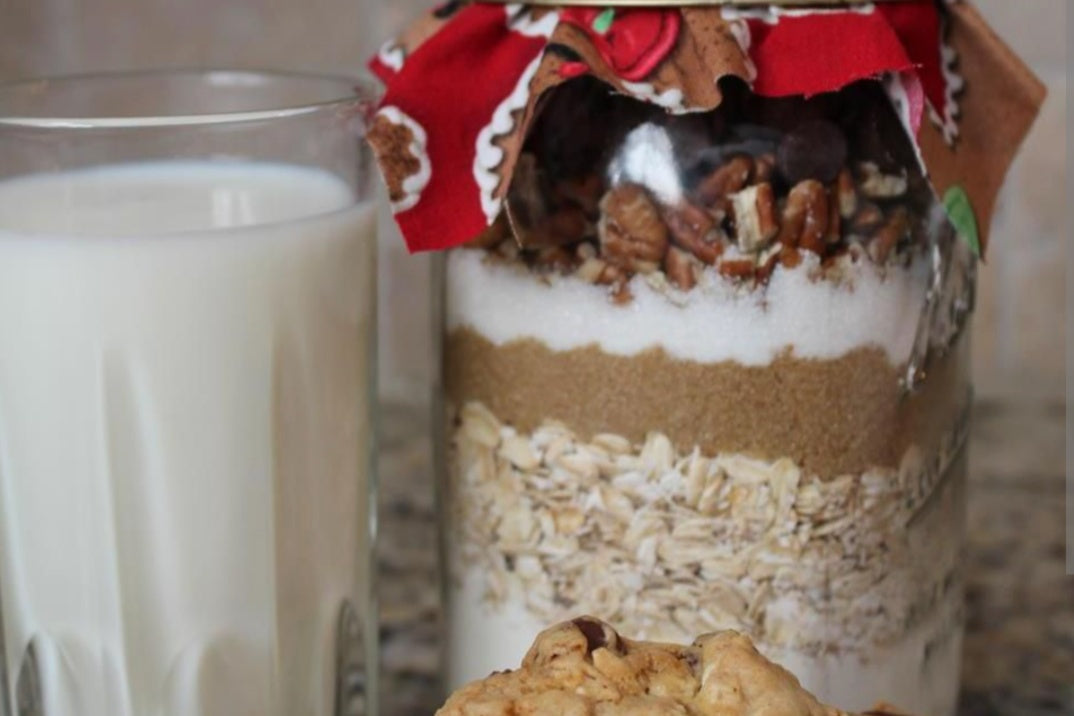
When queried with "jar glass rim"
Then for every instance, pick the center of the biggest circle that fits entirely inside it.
(223, 96)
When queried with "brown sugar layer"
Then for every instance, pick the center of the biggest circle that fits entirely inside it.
(833, 417)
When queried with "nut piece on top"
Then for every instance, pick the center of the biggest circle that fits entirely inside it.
(584, 668)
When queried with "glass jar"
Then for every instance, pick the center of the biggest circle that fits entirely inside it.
(708, 372)
(187, 293)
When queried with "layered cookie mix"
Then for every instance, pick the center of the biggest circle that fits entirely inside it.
(708, 275)
(730, 446)
(584, 667)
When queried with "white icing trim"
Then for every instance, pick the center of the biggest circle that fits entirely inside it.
(520, 19)
(489, 157)
(948, 123)
(392, 55)
(772, 13)
(740, 29)
(670, 99)
(415, 184)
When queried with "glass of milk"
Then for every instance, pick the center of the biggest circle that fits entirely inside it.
(187, 282)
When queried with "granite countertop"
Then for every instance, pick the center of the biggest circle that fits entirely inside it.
(1020, 646)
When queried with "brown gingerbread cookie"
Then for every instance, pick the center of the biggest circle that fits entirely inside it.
(400, 145)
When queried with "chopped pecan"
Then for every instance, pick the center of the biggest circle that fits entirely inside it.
(722, 210)
(621, 294)
(837, 265)
(889, 235)
(833, 260)
(592, 270)
(555, 257)
(855, 253)
(767, 262)
(681, 268)
(805, 217)
(597, 271)
(790, 257)
(835, 219)
(765, 168)
(617, 278)
(632, 233)
(792, 221)
(612, 275)
(738, 268)
(694, 229)
(877, 185)
(730, 178)
(847, 194)
(755, 217)
(868, 218)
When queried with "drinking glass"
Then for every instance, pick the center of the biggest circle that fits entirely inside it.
(187, 318)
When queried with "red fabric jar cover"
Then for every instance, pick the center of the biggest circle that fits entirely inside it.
(464, 85)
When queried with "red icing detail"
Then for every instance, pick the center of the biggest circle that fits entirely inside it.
(570, 70)
(452, 85)
(636, 43)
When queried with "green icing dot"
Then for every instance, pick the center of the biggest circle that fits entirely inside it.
(603, 21)
(960, 211)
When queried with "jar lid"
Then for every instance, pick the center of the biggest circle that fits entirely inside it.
(457, 110)
(671, 3)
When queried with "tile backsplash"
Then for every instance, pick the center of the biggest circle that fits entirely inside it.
(1020, 338)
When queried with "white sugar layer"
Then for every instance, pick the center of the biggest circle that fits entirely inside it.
(716, 322)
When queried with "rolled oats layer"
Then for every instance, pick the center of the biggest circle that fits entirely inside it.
(667, 543)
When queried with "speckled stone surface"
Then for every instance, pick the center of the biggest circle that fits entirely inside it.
(1020, 646)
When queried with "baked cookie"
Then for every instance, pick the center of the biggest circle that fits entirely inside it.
(584, 668)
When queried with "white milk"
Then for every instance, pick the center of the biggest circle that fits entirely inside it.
(184, 438)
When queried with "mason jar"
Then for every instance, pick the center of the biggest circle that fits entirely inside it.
(708, 274)
(711, 372)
